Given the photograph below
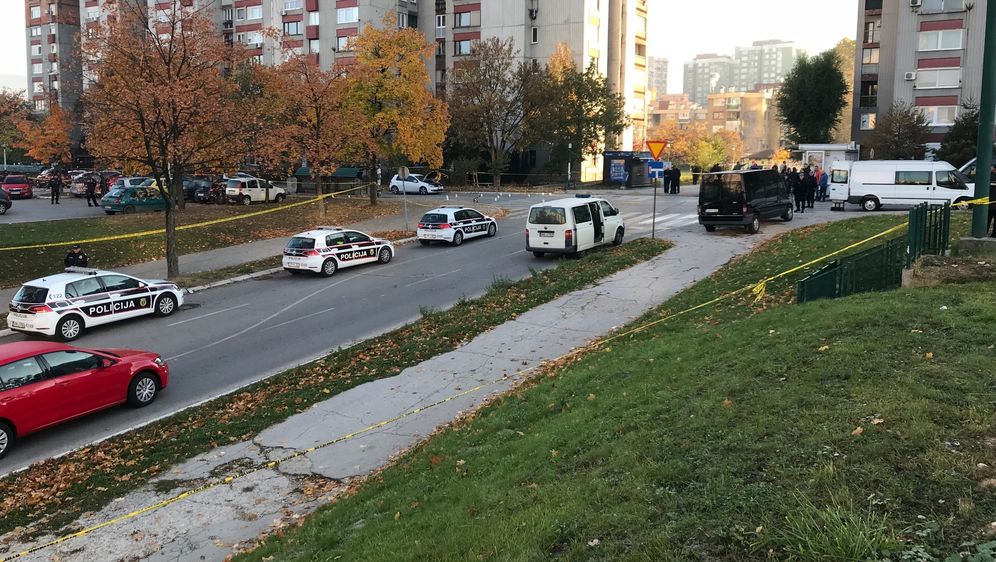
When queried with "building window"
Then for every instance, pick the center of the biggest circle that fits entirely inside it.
(940, 115)
(344, 43)
(314, 46)
(402, 20)
(944, 40)
(54, 85)
(440, 48)
(347, 15)
(313, 18)
(292, 28)
(254, 12)
(461, 47)
(441, 21)
(35, 31)
(293, 4)
(869, 56)
(53, 48)
(467, 19)
(227, 14)
(54, 69)
(938, 78)
(254, 38)
(38, 87)
(873, 30)
(51, 9)
(718, 115)
(41, 105)
(240, 14)
(534, 35)
(92, 14)
(36, 50)
(868, 121)
(240, 38)
(35, 12)
(36, 68)
(942, 5)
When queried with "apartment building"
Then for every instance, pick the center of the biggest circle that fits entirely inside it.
(925, 52)
(53, 64)
(707, 74)
(674, 108)
(657, 75)
(763, 62)
(752, 115)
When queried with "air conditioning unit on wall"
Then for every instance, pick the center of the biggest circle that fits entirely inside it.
(910, 76)
(916, 4)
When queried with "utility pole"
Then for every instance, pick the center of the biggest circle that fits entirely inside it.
(987, 117)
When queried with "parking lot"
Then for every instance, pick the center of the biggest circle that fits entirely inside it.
(40, 209)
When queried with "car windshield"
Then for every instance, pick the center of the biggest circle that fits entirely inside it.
(31, 295)
(416, 177)
(721, 187)
(147, 183)
(15, 179)
(301, 243)
(115, 193)
(434, 218)
(547, 215)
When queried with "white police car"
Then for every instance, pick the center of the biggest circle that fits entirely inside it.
(454, 225)
(65, 304)
(328, 248)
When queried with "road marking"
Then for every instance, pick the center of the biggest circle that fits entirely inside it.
(660, 219)
(300, 318)
(431, 278)
(513, 253)
(206, 315)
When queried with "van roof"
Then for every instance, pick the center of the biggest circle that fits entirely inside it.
(903, 164)
(568, 202)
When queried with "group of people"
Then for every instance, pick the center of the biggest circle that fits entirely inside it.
(807, 186)
(90, 182)
(671, 180)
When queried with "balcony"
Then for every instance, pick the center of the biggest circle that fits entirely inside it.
(868, 101)
(440, 33)
(227, 24)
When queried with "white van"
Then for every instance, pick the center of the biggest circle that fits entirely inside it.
(569, 226)
(874, 183)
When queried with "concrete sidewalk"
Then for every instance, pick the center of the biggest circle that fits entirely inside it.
(213, 524)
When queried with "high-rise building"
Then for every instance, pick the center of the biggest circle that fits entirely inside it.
(764, 63)
(657, 75)
(708, 74)
(752, 115)
(53, 61)
(925, 52)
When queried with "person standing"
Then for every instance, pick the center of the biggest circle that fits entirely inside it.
(824, 186)
(90, 184)
(675, 180)
(798, 192)
(810, 185)
(666, 179)
(55, 186)
(76, 257)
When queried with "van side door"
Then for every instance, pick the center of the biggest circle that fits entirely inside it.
(913, 187)
(613, 220)
(584, 227)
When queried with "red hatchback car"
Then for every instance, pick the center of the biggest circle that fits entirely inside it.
(43, 384)
(18, 187)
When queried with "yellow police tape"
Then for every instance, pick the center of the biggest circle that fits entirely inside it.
(758, 290)
(183, 227)
(979, 201)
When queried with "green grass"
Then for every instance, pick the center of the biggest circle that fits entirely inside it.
(54, 493)
(726, 434)
(23, 265)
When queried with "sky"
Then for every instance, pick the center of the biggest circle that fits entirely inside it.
(678, 29)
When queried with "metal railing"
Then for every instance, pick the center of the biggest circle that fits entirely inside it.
(929, 231)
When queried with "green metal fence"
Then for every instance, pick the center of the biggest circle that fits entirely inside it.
(929, 231)
(876, 269)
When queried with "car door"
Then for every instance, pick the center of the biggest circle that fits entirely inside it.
(26, 395)
(950, 187)
(252, 188)
(360, 249)
(128, 297)
(613, 220)
(477, 222)
(914, 187)
(81, 383)
(584, 227)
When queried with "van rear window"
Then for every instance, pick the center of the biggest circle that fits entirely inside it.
(31, 295)
(547, 215)
(838, 176)
(725, 187)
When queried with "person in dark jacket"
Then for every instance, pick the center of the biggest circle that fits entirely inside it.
(666, 179)
(76, 257)
(797, 181)
(55, 185)
(675, 180)
(716, 168)
(809, 186)
(90, 184)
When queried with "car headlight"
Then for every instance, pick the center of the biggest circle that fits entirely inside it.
(159, 361)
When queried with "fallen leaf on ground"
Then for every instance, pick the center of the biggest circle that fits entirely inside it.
(858, 431)
(824, 349)
(727, 403)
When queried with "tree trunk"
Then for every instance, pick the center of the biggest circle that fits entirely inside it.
(320, 190)
(373, 176)
(172, 259)
(495, 171)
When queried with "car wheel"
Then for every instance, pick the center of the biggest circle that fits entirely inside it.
(492, 230)
(424, 242)
(789, 214)
(246, 200)
(870, 204)
(710, 228)
(143, 389)
(329, 267)
(6, 439)
(69, 328)
(458, 238)
(385, 255)
(280, 198)
(539, 254)
(3, 208)
(166, 305)
(755, 225)
(423, 191)
(129, 209)
(618, 238)
(395, 190)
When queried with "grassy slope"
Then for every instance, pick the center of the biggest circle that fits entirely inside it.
(719, 435)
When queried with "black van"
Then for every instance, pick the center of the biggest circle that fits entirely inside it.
(743, 198)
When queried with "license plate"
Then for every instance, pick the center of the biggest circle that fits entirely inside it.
(107, 206)
(712, 211)
(546, 235)
(18, 325)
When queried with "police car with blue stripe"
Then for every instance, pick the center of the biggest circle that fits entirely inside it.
(66, 304)
(328, 248)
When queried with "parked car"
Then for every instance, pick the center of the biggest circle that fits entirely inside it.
(415, 183)
(77, 187)
(453, 225)
(212, 193)
(43, 384)
(18, 187)
(874, 183)
(133, 181)
(743, 198)
(192, 184)
(5, 202)
(968, 171)
(247, 190)
(571, 226)
(145, 197)
(327, 249)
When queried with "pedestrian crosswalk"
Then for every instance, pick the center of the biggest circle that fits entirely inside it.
(637, 220)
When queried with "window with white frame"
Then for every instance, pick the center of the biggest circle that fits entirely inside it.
(38, 87)
(92, 14)
(314, 46)
(347, 15)
(938, 78)
(226, 14)
(292, 28)
(313, 18)
(534, 35)
(868, 121)
(254, 37)
(344, 43)
(254, 12)
(240, 14)
(943, 40)
(35, 31)
(293, 4)
(402, 20)
(54, 85)
(467, 19)
(942, 5)
(53, 48)
(41, 105)
(55, 68)
(240, 38)
(36, 68)
(462, 47)
(940, 115)
(35, 12)
(52, 9)
(36, 50)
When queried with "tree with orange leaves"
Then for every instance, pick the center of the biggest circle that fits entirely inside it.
(13, 109)
(389, 91)
(163, 97)
(47, 139)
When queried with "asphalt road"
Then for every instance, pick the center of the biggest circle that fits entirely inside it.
(40, 209)
(228, 337)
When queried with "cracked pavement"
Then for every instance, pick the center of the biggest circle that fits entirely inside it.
(228, 518)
